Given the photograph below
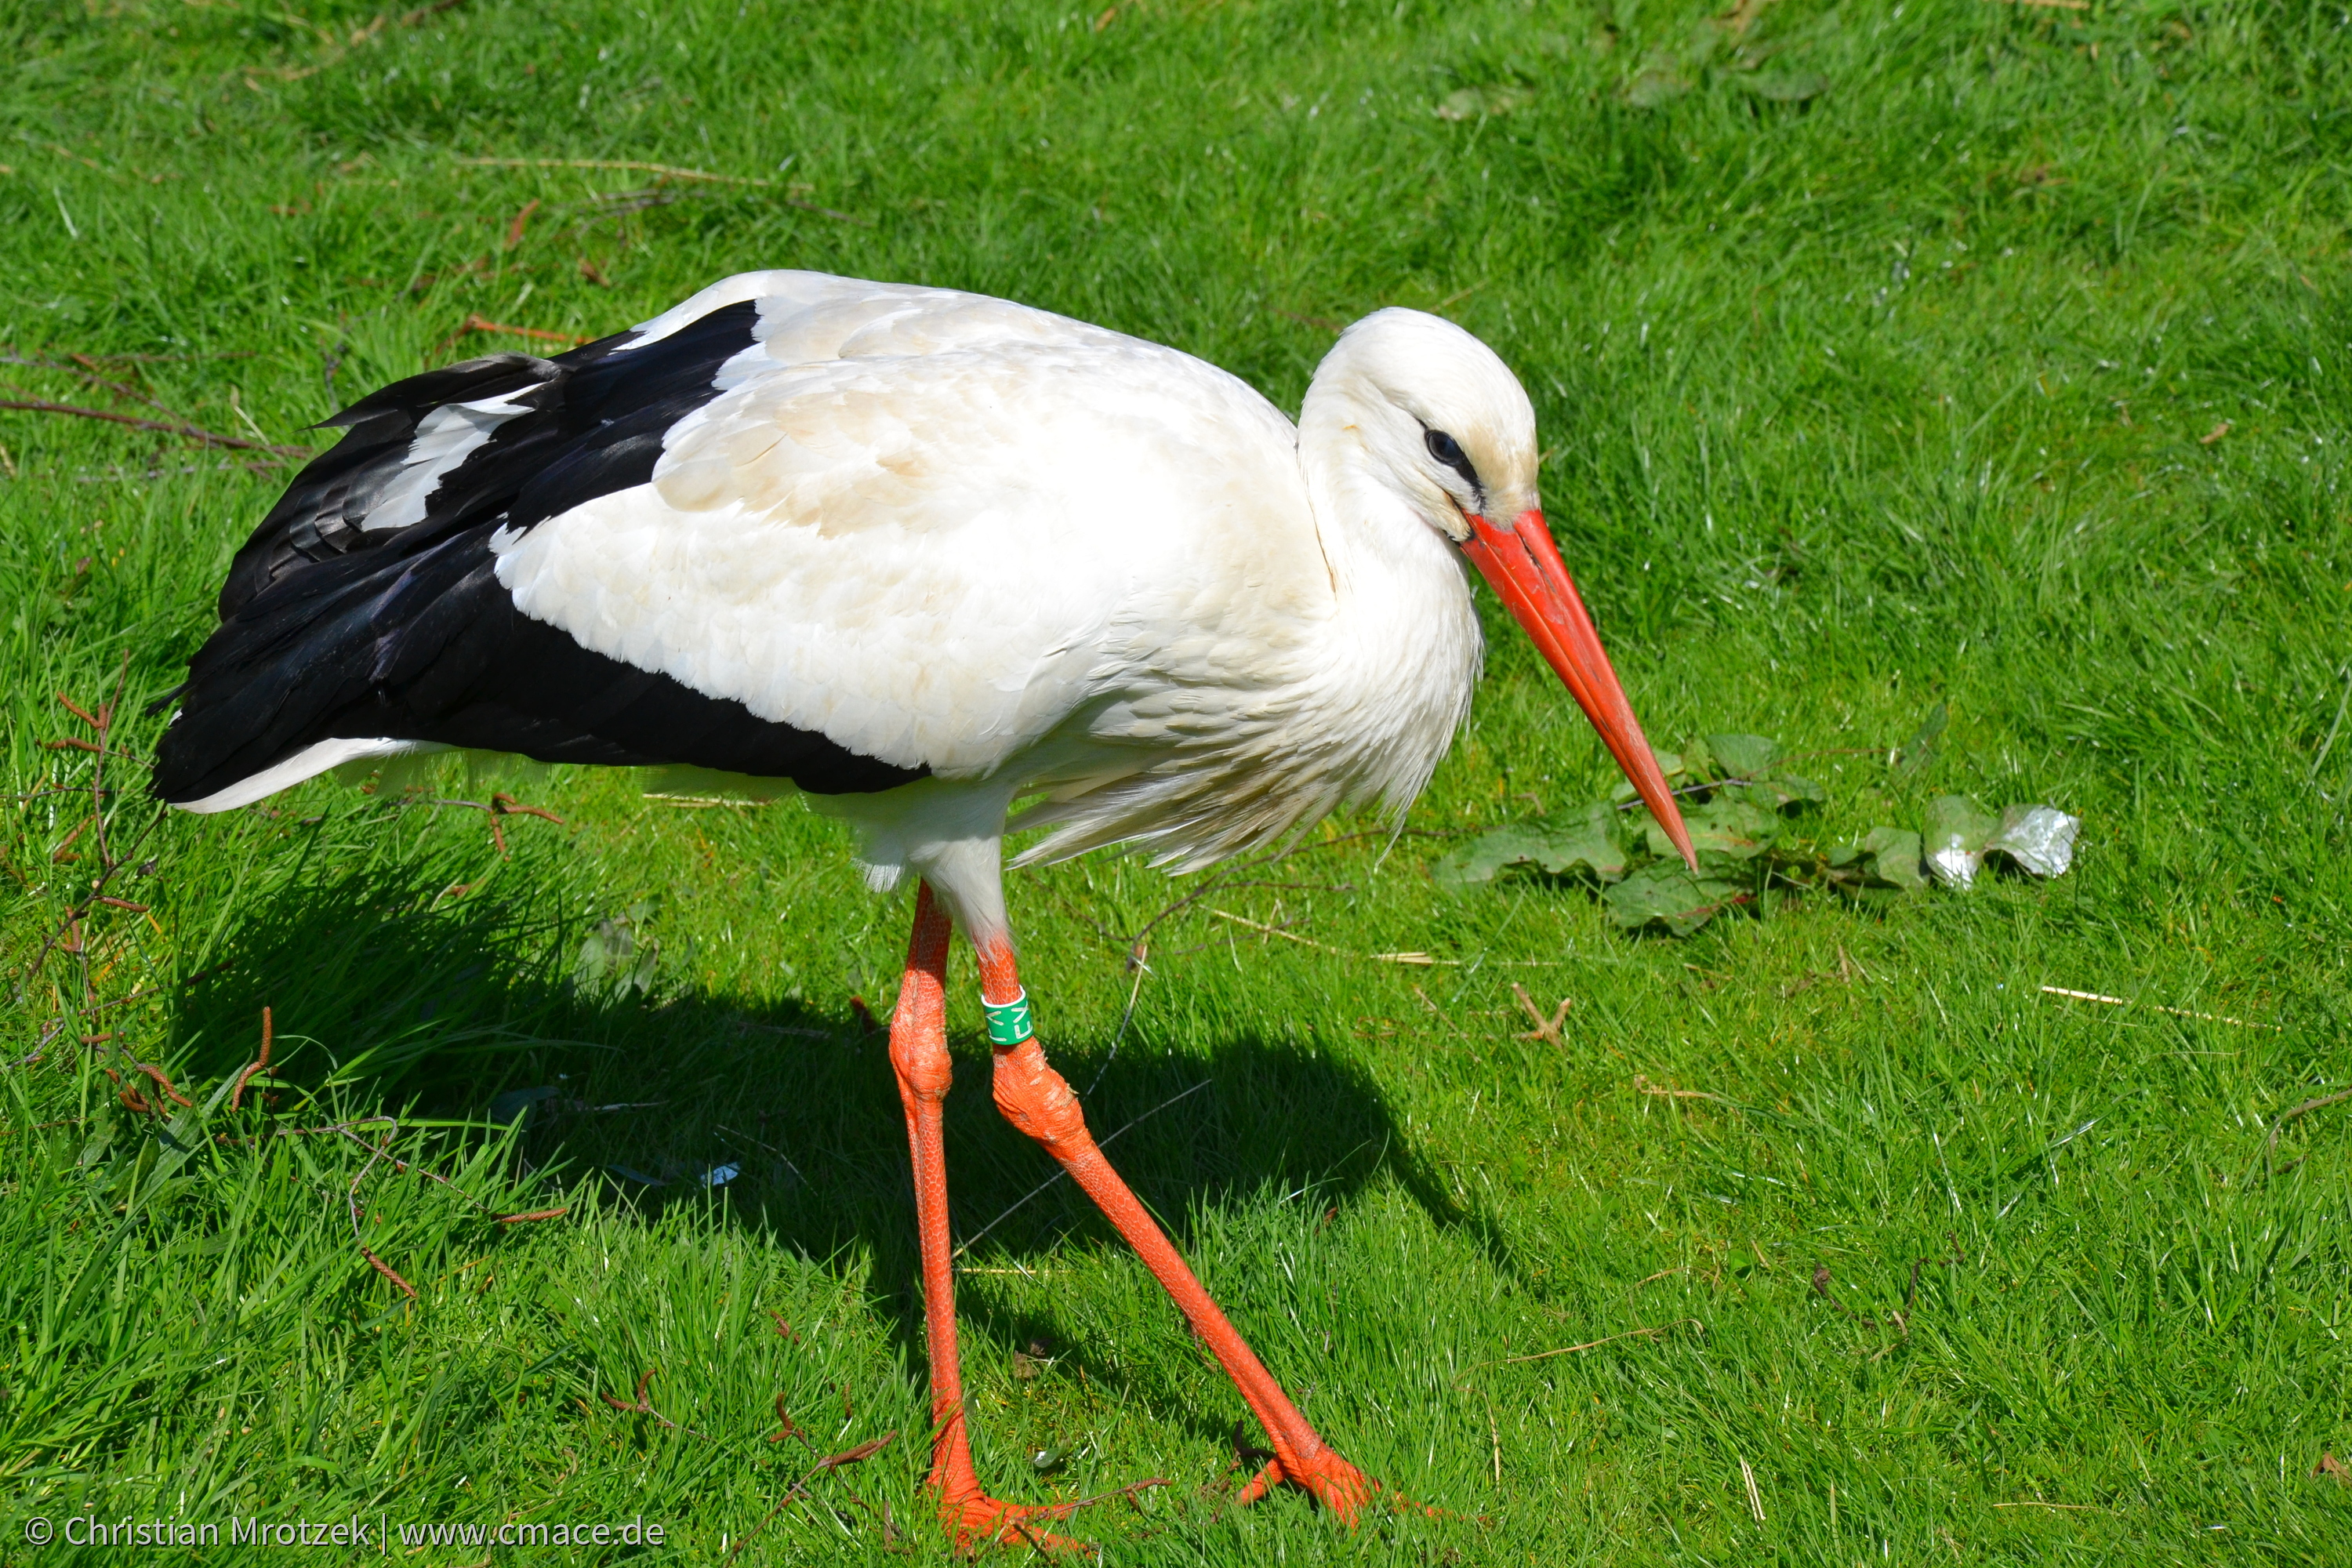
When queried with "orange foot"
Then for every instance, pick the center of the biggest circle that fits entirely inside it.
(1336, 1484)
(977, 1520)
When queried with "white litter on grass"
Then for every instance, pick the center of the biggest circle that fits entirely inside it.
(2037, 839)
(2040, 839)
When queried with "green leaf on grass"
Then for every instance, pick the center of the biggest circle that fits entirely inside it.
(1777, 792)
(1743, 756)
(1787, 86)
(1721, 830)
(1957, 830)
(1668, 895)
(1470, 102)
(619, 956)
(1656, 85)
(1590, 847)
(1922, 744)
(1887, 857)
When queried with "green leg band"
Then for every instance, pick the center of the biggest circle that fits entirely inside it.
(1008, 1022)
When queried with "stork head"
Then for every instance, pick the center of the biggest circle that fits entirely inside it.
(1442, 424)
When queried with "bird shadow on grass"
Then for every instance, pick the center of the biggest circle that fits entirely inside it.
(397, 993)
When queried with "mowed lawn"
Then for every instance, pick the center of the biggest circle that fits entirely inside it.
(1988, 358)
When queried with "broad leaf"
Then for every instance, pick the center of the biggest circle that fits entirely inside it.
(1720, 830)
(1672, 765)
(1743, 756)
(1922, 744)
(1470, 102)
(1588, 847)
(619, 956)
(1957, 830)
(1668, 895)
(1777, 792)
(1887, 857)
(1787, 86)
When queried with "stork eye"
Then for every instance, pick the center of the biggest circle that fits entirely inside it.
(1448, 451)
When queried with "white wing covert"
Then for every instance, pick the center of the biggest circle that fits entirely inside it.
(934, 546)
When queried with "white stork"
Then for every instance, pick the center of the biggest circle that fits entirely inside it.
(926, 556)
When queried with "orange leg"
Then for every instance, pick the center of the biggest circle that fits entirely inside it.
(918, 1055)
(1038, 1100)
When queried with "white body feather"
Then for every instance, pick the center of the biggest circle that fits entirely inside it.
(1046, 560)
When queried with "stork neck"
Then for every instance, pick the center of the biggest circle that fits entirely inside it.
(1378, 548)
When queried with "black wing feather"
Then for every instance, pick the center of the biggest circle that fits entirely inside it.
(330, 632)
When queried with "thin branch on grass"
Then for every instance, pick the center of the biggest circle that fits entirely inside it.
(2271, 1144)
(339, 48)
(1652, 1332)
(79, 365)
(1545, 1029)
(770, 1148)
(68, 935)
(152, 993)
(1662, 1091)
(352, 1200)
(1232, 876)
(1900, 1321)
(848, 1456)
(1416, 960)
(1136, 957)
(477, 323)
(382, 1150)
(191, 432)
(2154, 1006)
(642, 1407)
(255, 1067)
(668, 170)
(833, 213)
(500, 806)
(1058, 1174)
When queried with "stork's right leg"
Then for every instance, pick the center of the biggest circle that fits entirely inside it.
(918, 1055)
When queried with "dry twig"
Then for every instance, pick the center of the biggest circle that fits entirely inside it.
(255, 1067)
(500, 806)
(2323, 1101)
(1545, 1029)
(857, 1456)
(2176, 1012)
(477, 323)
(1059, 1173)
(352, 1199)
(642, 1407)
(191, 432)
(1591, 1345)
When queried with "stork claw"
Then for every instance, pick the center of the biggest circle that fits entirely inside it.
(1334, 1482)
(977, 1520)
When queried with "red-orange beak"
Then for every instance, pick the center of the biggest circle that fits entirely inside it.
(1522, 565)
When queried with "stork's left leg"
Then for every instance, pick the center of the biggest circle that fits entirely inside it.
(1038, 1100)
(918, 1057)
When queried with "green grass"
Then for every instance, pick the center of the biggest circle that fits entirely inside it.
(1893, 395)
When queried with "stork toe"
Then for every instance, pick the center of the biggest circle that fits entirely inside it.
(977, 1520)
(1333, 1481)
